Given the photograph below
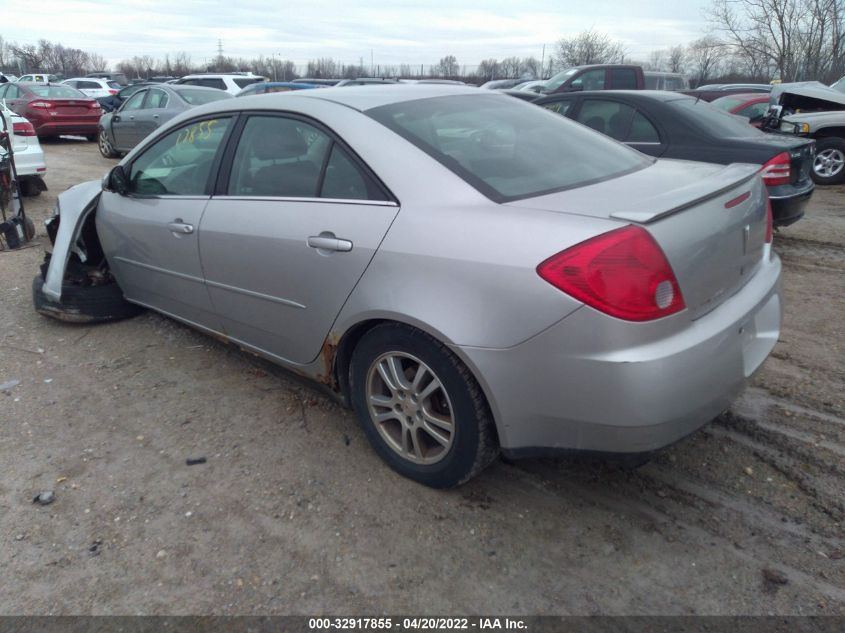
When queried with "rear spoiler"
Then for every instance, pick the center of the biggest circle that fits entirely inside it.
(707, 188)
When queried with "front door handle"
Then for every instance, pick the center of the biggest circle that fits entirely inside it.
(328, 242)
(180, 228)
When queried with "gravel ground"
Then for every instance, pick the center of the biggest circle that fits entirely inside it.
(294, 514)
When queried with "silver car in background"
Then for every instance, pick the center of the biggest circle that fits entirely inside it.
(471, 273)
(146, 110)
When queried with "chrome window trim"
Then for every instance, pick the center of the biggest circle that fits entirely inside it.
(368, 203)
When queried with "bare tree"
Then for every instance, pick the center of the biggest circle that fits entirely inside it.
(656, 60)
(704, 55)
(677, 57)
(510, 68)
(448, 66)
(589, 47)
(531, 68)
(97, 62)
(488, 69)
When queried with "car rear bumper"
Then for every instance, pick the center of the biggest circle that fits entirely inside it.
(56, 128)
(30, 162)
(594, 383)
(788, 202)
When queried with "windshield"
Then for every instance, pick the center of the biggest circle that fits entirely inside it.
(57, 92)
(508, 149)
(199, 97)
(557, 81)
(715, 121)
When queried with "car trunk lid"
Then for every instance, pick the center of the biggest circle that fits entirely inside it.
(710, 221)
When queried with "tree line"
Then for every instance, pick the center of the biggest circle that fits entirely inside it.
(747, 40)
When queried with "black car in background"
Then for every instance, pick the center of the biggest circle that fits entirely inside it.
(671, 125)
(113, 102)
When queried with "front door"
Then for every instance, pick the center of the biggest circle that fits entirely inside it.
(150, 236)
(148, 118)
(284, 247)
(124, 127)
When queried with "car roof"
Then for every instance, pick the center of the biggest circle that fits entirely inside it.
(366, 97)
(746, 96)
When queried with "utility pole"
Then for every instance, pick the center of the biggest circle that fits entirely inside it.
(542, 62)
(371, 63)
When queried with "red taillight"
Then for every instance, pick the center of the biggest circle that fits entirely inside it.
(23, 128)
(769, 222)
(41, 104)
(623, 273)
(112, 92)
(93, 106)
(778, 171)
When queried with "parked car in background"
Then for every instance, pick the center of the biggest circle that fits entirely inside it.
(634, 298)
(142, 113)
(671, 125)
(711, 92)
(29, 157)
(7, 78)
(524, 95)
(534, 85)
(113, 102)
(839, 86)
(266, 87)
(364, 81)
(442, 82)
(655, 80)
(501, 84)
(316, 82)
(597, 77)
(53, 109)
(117, 77)
(232, 83)
(93, 87)
(39, 78)
(752, 106)
(816, 111)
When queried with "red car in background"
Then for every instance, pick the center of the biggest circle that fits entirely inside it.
(752, 106)
(53, 109)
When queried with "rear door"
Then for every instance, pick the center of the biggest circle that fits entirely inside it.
(149, 117)
(297, 221)
(91, 88)
(622, 122)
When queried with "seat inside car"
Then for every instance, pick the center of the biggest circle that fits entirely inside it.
(291, 174)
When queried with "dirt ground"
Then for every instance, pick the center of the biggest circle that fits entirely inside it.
(293, 513)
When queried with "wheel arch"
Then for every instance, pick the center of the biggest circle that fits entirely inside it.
(343, 349)
(830, 132)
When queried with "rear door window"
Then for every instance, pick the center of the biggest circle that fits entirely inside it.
(135, 102)
(156, 99)
(608, 117)
(243, 83)
(559, 107)
(212, 82)
(87, 85)
(755, 110)
(623, 78)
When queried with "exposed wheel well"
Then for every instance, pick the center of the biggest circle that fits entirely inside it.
(830, 131)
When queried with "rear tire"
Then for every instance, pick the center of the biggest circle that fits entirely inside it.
(420, 407)
(105, 146)
(84, 304)
(829, 163)
(29, 188)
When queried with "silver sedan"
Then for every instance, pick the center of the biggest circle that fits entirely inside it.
(471, 273)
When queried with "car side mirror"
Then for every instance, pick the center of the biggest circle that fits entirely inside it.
(117, 181)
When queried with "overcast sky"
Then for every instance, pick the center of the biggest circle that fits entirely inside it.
(396, 31)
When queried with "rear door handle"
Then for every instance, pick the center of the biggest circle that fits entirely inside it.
(328, 242)
(180, 228)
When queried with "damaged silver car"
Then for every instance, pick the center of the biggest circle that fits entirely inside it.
(816, 111)
(470, 273)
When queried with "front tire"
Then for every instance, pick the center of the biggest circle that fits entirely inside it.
(829, 163)
(420, 407)
(105, 146)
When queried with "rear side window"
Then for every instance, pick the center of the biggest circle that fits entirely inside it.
(590, 80)
(623, 78)
(278, 157)
(211, 82)
(642, 131)
(507, 149)
(607, 117)
(560, 107)
(88, 85)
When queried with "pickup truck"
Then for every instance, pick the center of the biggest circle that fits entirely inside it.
(816, 111)
(597, 77)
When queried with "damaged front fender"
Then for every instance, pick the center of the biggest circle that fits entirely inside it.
(74, 207)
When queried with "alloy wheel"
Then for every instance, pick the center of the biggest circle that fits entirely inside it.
(410, 408)
(106, 148)
(829, 163)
